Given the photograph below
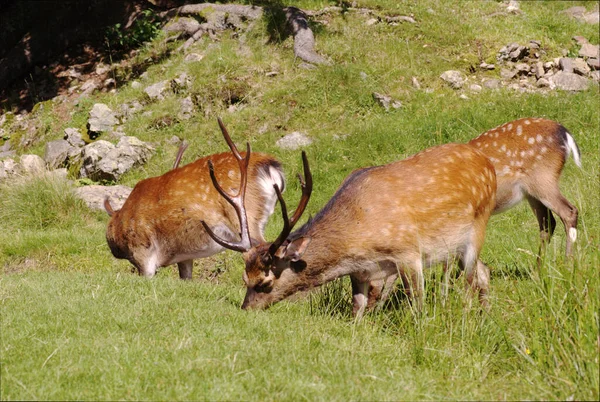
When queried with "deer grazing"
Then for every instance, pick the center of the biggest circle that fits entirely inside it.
(407, 215)
(528, 156)
(159, 223)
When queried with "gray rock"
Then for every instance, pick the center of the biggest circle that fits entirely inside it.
(136, 84)
(157, 91)
(589, 50)
(566, 64)
(539, 70)
(415, 83)
(73, 137)
(593, 63)
(32, 165)
(592, 17)
(193, 57)
(128, 110)
(580, 40)
(543, 83)
(507, 74)
(8, 168)
(519, 53)
(454, 78)
(475, 87)
(57, 153)
(386, 101)
(186, 108)
(522, 68)
(492, 83)
(294, 140)
(102, 119)
(181, 83)
(595, 75)
(91, 155)
(129, 153)
(569, 81)
(580, 67)
(486, 66)
(94, 195)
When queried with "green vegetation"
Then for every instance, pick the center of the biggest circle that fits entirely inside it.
(76, 324)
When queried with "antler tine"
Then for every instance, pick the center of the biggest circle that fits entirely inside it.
(288, 224)
(182, 147)
(237, 201)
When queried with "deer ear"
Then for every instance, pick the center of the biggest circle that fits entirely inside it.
(296, 249)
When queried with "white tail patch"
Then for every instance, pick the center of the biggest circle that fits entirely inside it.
(573, 234)
(572, 149)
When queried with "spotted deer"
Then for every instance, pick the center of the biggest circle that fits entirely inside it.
(528, 156)
(407, 215)
(159, 223)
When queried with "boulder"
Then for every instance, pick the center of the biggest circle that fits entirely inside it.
(386, 101)
(589, 50)
(102, 119)
(157, 91)
(569, 81)
(8, 168)
(94, 195)
(105, 161)
(32, 165)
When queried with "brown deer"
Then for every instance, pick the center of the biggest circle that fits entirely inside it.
(410, 214)
(159, 224)
(528, 156)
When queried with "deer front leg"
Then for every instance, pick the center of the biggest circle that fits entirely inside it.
(185, 269)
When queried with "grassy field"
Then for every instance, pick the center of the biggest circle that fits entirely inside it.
(77, 325)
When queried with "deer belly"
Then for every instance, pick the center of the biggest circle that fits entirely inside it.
(508, 196)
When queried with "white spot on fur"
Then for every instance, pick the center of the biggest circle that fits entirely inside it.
(510, 126)
(573, 234)
(527, 122)
(531, 140)
(519, 130)
(539, 138)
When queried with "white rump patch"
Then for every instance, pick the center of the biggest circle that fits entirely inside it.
(572, 149)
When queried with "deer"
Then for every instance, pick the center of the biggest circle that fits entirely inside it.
(407, 215)
(529, 155)
(159, 223)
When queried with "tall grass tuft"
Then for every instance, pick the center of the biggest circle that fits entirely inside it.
(38, 203)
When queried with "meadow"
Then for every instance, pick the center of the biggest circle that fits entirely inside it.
(76, 324)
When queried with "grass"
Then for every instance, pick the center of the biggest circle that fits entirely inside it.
(77, 325)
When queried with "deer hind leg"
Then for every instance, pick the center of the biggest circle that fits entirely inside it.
(551, 197)
(477, 273)
(546, 222)
(185, 269)
(360, 295)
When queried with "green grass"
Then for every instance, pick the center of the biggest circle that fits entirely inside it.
(77, 325)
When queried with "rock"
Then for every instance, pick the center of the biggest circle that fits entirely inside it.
(371, 21)
(569, 81)
(548, 66)
(294, 141)
(454, 78)
(589, 50)
(193, 57)
(157, 91)
(8, 168)
(475, 88)
(576, 11)
(386, 101)
(181, 83)
(32, 165)
(186, 108)
(580, 67)
(535, 44)
(507, 74)
(73, 137)
(136, 84)
(539, 70)
(522, 68)
(492, 83)
(542, 83)
(592, 17)
(130, 152)
(94, 195)
(88, 87)
(57, 153)
(101, 119)
(513, 7)
(566, 64)
(91, 155)
(102, 68)
(593, 63)
(463, 96)
(595, 75)
(415, 83)
(486, 66)
(580, 40)
(519, 53)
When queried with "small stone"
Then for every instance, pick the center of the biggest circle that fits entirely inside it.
(542, 83)
(136, 84)
(522, 68)
(580, 40)
(294, 140)
(454, 78)
(157, 91)
(371, 21)
(580, 67)
(507, 74)
(102, 119)
(272, 73)
(566, 64)
(548, 65)
(486, 66)
(193, 57)
(475, 87)
(539, 70)
(363, 75)
(593, 63)
(463, 96)
(492, 83)
(589, 50)
(32, 164)
(415, 83)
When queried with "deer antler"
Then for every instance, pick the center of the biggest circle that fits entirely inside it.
(237, 201)
(288, 224)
